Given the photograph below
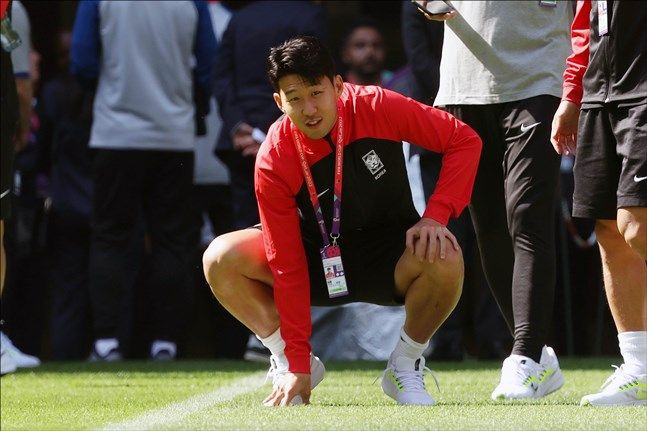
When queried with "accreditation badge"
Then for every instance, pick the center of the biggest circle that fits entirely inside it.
(334, 271)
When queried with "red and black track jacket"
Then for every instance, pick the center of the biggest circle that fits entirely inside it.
(611, 68)
(375, 120)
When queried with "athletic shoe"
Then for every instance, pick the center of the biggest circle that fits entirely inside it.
(7, 365)
(403, 380)
(521, 377)
(277, 371)
(162, 351)
(113, 355)
(20, 359)
(621, 389)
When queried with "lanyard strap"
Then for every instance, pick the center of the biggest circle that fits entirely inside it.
(339, 163)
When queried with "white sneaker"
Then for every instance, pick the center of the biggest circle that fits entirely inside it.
(621, 389)
(403, 380)
(521, 377)
(7, 365)
(277, 371)
(20, 359)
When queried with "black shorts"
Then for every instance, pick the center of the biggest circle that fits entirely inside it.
(369, 259)
(611, 161)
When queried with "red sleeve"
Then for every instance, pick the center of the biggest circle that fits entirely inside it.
(284, 249)
(577, 62)
(440, 132)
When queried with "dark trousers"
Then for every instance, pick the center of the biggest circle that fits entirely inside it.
(69, 251)
(133, 186)
(245, 208)
(513, 205)
(477, 304)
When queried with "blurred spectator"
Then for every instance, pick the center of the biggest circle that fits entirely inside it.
(490, 78)
(212, 216)
(16, 114)
(65, 111)
(423, 42)
(363, 53)
(243, 92)
(143, 132)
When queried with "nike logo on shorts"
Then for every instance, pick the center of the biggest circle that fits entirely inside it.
(638, 179)
(525, 128)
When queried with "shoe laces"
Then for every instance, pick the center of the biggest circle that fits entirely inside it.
(619, 378)
(412, 380)
(274, 372)
(524, 373)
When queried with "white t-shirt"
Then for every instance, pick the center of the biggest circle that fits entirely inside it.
(502, 51)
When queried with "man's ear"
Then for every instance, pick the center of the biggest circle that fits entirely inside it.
(339, 84)
(279, 102)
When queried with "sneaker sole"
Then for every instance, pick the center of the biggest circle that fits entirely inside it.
(636, 403)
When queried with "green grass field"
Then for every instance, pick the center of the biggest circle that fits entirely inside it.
(200, 395)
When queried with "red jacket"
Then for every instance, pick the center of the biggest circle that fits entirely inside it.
(374, 118)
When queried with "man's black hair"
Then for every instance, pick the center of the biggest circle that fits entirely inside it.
(305, 56)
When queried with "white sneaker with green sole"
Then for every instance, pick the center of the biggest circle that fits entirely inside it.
(621, 389)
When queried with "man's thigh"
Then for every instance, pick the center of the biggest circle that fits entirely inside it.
(597, 167)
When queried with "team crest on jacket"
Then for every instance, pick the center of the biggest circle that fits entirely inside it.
(374, 164)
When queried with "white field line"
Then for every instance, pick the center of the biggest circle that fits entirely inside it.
(175, 412)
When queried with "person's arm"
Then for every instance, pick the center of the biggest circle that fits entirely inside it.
(422, 41)
(286, 256)
(223, 80)
(22, 74)
(86, 43)
(438, 131)
(564, 127)
(204, 50)
(578, 61)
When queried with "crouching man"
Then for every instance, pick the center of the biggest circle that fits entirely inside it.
(338, 224)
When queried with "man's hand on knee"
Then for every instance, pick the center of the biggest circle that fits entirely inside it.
(429, 238)
(290, 385)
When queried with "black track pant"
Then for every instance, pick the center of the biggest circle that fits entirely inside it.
(512, 209)
(130, 187)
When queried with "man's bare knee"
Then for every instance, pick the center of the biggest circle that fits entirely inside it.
(633, 228)
(606, 232)
(446, 273)
(218, 260)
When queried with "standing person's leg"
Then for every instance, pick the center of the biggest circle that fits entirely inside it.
(611, 156)
(532, 173)
(487, 207)
(531, 169)
(117, 177)
(69, 248)
(167, 197)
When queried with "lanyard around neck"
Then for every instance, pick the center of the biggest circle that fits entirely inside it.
(312, 191)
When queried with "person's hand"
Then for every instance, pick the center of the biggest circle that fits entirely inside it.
(244, 142)
(441, 17)
(289, 386)
(427, 238)
(564, 129)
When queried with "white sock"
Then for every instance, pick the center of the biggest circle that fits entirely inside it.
(105, 345)
(158, 345)
(408, 348)
(276, 346)
(633, 348)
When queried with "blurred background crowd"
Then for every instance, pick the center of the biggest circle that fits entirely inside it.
(71, 279)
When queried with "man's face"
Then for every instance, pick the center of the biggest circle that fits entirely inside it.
(312, 108)
(364, 51)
